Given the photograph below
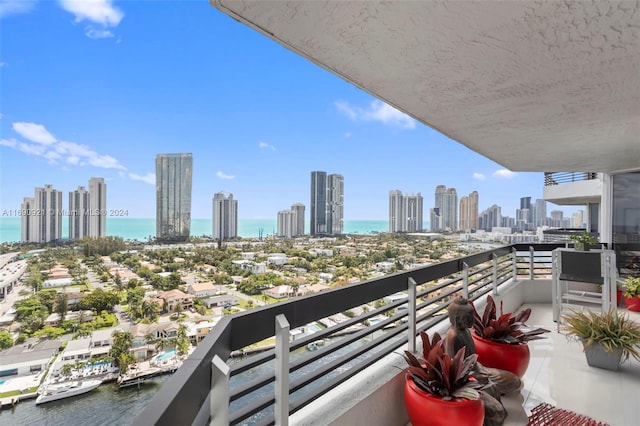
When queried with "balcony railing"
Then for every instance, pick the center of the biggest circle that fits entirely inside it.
(211, 386)
(558, 178)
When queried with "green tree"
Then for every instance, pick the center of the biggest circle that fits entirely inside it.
(62, 305)
(6, 341)
(122, 341)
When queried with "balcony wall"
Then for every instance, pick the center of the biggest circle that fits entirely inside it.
(569, 192)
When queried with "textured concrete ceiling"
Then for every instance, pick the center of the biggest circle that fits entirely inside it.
(534, 86)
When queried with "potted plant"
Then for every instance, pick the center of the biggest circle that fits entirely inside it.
(608, 338)
(501, 342)
(583, 241)
(632, 293)
(440, 390)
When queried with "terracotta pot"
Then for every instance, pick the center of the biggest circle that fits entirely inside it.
(633, 303)
(514, 358)
(427, 410)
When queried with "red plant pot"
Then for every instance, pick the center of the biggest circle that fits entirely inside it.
(619, 297)
(427, 410)
(633, 303)
(513, 358)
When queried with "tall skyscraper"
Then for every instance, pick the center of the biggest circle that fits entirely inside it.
(298, 210)
(525, 204)
(540, 213)
(327, 204)
(98, 207)
(225, 216)
(286, 223)
(405, 212)
(318, 205)
(490, 218)
(447, 204)
(335, 204)
(173, 196)
(469, 212)
(79, 213)
(437, 214)
(43, 223)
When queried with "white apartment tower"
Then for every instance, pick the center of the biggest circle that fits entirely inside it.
(225, 216)
(327, 204)
(298, 210)
(79, 213)
(446, 209)
(286, 223)
(43, 219)
(405, 212)
(173, 196)
(97, 207)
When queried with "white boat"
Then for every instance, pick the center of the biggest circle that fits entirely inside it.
(57, 391)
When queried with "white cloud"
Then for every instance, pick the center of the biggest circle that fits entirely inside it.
(222, 175)
(46, 146)
(11, 143)
(149, 178)
(377, 111)
(479, 176)
(97, 34)
(101, 12)
(13, 7)
(264, 145)
(504, 173)
(34, 132)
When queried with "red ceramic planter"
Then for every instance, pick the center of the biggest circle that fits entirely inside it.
(633, 303)
(427, 410)
(514, 358)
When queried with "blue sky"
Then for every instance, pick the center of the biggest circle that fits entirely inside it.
(98, 88)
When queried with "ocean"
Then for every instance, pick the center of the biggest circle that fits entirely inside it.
(142, 229)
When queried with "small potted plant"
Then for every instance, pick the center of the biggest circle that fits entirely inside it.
(501, 342)
(608, 338)
(440, 390)
(583, 241)
(632, 293)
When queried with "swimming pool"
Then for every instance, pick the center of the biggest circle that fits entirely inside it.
(169, 353)
(2, 382)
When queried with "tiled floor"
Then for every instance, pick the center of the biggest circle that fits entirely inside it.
(559, 375)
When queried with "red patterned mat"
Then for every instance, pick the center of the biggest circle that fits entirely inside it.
(547, 415)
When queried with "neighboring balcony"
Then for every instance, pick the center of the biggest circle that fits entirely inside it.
(572, 188)
(351, 372)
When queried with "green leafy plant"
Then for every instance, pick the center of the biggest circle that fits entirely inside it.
(610, 329)
(585, 238)
(632, 287)
(507, 328)
(440, 375)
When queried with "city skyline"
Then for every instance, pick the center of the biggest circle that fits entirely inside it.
(86, 94)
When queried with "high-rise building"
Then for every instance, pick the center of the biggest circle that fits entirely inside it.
(446, 201)
(525, 204)
(286, 223)
(318, 209)
(298, 210)
(327, 204)
(43, 221)
(469, 212)
(97, 207)
(435, 219)
(490, 218)
(405, 212)
(437, 214)
(79, 213)
(225, 216)
(173, 196)
(540, 213)
(29, 223)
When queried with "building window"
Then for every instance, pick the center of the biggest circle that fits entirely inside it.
(626, 208)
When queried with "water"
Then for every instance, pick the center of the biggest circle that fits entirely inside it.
(142, 229)
(169, 353)
(104, 406)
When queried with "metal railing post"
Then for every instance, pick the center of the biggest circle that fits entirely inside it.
(219, 396)
(514, 265)
(412, 314)
(465, 280)
(495, 273)
(531, 256)
(281, 409)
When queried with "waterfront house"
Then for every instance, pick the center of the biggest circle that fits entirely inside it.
(27, 358)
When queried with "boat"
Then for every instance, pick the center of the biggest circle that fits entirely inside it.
(138, 377)
(57, 391)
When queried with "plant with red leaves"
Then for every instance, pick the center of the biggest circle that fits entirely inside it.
(507, 328)
(440, 375)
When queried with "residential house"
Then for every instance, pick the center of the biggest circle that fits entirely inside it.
(202, 289)
(172, 298)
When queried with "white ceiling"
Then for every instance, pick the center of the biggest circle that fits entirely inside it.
(534, 86)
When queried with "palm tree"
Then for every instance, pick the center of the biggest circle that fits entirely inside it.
(66, 370)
